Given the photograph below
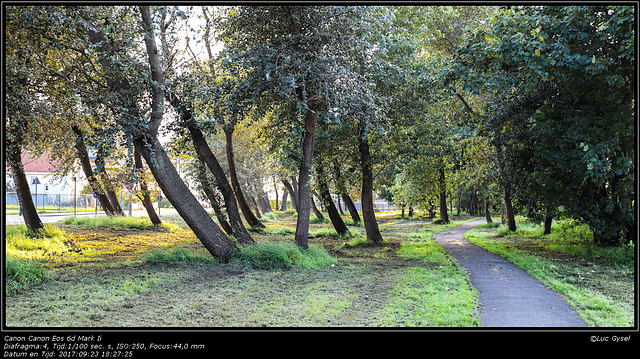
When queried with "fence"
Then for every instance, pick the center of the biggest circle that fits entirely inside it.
(378, 205)
(53, 202)
(64, 203)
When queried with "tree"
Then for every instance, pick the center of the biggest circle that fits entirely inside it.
(24, 108)
(294, 55)
(105, 36)
(570, 69)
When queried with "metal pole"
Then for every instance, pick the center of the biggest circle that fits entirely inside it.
(75, 200)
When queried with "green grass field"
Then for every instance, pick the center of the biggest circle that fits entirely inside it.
(127, 273)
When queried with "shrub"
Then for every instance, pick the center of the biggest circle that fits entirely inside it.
(315, 220)
(270, 216)
(570, 231)
(117, 223)
(283, 255)
(176, 254)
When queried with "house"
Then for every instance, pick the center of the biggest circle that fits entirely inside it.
(43, 169)
(40, 173)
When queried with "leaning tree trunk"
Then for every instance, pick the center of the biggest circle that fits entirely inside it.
(303, 192)
(85, 162)
(275, 188)
(285, 194)
(108, 184)
(209, 191)
(334, 215)
(188, 207)
(353, 211)
(292, 193)
(444, 216)
(23, 191)
(146, 199)
(249, 216)
(368, 214)
(315, 209)
(177, 192)
(204, 154)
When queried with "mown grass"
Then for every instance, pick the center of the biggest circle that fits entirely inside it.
(163, 277)
(438, 294)
(598, 281)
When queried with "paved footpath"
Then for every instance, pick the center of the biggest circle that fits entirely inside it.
(508, 296)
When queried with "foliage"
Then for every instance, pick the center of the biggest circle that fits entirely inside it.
(562, 112)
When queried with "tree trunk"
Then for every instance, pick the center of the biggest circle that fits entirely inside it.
(368, 214)
(146, 198)
(275, 188)
(459, 202)
(251, 219)
(83, 155)
(256, 206)
(209, 191)
(353, 211)
(292, 193)
(303, 191)
(203, 151)
(265, 204)
(334, 215)
(285, 194)
(23, 191)
(315, 209)
(204, 154)
(547, 224)
(471, 201)
(444, 216)
(108, 184)
(177, 192)
(487, 213)
(511, 220)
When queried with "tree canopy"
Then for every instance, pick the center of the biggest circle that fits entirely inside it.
(523, 109)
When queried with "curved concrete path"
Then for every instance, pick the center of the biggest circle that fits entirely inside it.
(508, 296)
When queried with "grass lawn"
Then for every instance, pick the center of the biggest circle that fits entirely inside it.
(106, 274)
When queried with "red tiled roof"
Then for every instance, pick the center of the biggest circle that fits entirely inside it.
(34, 163)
